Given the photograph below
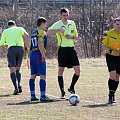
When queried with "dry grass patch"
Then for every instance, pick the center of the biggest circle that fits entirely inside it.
(91, 87)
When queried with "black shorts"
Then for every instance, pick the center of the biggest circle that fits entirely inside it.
(67, 57)
(113, 63)
(15, 56)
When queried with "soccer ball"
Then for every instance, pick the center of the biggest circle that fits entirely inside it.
(74, 99)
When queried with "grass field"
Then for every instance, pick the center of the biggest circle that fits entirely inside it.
(91, 87)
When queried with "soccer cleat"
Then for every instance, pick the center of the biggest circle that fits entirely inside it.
(72, 91)
(15, 92)
(34, 99)
(19, 89)
(63, 95)
(46, 99)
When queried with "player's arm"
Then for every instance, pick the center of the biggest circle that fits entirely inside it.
(3, 39)
(54, 31)
(26, 40)
(75, 35)
(106, 49)
(41, 48)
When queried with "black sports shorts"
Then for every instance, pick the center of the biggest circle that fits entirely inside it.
(67, 57)
(113, 63)
(15, 56)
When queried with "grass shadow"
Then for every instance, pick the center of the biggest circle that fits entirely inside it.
(98, 105)
(31, 102)
(7, 95)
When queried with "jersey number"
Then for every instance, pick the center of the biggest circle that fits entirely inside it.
(34, 41)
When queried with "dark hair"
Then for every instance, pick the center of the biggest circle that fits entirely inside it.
(41, 20)
(63, 10)
(116, 19)
(11, 22)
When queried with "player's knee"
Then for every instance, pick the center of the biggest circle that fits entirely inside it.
(12, 69)
(113, 75)
(77, 72)
(17, 68)
(43, 77)
(32, 76)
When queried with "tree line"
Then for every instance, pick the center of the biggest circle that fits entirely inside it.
(92, 19)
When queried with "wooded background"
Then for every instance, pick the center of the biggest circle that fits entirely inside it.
(92, 18)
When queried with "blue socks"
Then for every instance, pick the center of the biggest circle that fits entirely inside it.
(32, 87)
(42, 84)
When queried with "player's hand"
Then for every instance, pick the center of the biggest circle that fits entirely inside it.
(69, 36)
(118, 51)
(115, 53)
(61, 30)
(5, 45)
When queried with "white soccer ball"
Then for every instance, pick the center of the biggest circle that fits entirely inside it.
(74, 99)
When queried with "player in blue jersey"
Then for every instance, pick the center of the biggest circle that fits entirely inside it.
(37, 60)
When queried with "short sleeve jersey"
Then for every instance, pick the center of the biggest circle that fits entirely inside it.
(111, 38)
(36, 35)
(70, 29)
(13, 36)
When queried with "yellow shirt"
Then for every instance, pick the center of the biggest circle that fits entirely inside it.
(70, 29)
(112, 39)
(43, 38)
(13, 36)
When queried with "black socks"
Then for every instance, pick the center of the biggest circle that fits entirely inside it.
(18, 76)
(113, 85)
(13, 78)
(61, 83)
(74, 80)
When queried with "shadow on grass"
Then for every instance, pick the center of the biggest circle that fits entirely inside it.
(98, 105)
(32, 102)
(7, 95)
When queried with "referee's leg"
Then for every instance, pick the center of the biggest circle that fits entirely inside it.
(74, 79)
(113, 83)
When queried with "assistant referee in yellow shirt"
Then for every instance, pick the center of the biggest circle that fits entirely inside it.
(111, 46)
(14, 38)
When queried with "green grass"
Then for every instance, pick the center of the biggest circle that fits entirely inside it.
(91, 87)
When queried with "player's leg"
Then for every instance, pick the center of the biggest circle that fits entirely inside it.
(116, 82)
(19, 58)
(116, 86)
(13, 78)
(74, 62)
(62, 56)
(61, 81)
(18, 76)
(33, 73)
(41, 70)
(32, 87)
(111, 63)
(11, 64)
(74, 79)
(112, 85)
(42, 84)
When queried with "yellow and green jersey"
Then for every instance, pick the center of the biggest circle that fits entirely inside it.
(70, 29)
(111, 39)
(13, 36)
